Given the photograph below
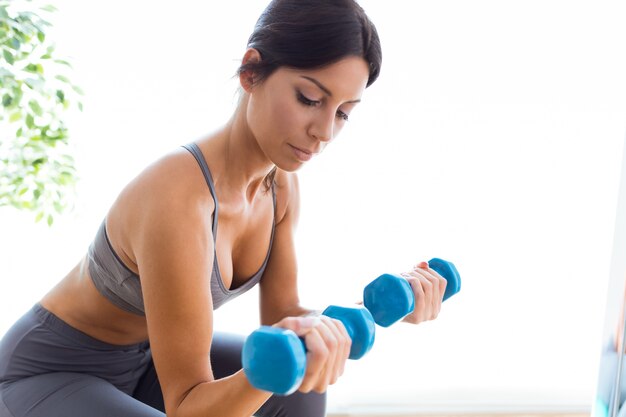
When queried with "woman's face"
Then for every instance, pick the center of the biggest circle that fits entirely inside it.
(294, 114)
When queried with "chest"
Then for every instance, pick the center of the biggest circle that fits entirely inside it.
(242, 240)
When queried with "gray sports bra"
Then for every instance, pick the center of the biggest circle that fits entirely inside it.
(123, 287)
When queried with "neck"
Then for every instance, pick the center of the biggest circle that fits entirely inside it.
(245, 166)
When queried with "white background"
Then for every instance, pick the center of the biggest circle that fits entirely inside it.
(493, 139)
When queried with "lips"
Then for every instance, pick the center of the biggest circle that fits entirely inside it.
(303, 155)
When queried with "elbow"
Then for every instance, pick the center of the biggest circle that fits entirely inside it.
(182, 405)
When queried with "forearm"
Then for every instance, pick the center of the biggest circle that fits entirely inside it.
(232, 396)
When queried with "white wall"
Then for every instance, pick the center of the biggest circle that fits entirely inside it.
(493, 138)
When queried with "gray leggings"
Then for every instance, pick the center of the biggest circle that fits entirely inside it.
(50, 369)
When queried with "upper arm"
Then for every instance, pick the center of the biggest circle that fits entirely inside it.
(278, 288)
(173, 247)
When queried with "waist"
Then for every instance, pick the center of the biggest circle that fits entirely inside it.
(76, 301)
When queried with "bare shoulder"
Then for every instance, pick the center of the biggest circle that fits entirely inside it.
(287, 194)
(175, 175)
(170, 190)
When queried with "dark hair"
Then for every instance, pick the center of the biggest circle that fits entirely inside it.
(308, 34)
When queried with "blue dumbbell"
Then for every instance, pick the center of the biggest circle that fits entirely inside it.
(389, 297)
(274, 359)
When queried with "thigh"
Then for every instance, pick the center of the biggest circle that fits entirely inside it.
(295, 405)
(226, 360)
(148, 389)
(66, 394)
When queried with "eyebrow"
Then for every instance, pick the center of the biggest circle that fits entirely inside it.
(324, 89)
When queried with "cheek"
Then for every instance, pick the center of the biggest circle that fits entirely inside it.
(275, 118)
(288, 117)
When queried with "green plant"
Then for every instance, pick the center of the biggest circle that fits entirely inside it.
(37, 170)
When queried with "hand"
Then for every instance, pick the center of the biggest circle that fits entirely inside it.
(328, 347)
(428, 288)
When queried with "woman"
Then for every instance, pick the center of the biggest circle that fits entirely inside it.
(128, 332)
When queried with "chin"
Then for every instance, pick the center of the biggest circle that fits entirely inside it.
(290, 166)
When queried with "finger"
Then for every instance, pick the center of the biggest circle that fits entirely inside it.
(431, 292)
(347, 345)
(438, 288)
(435, 293)
(316, 356)
(421, 265)
(418, 313)
(442, 282)
(343, 348)
(426, 293)
(330, 337)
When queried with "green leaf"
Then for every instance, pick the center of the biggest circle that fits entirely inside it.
(39, 216)
(78, 90)
(35, 107)
(34, 68)
(50, 220)
(15, 116)
(34, 84)
(15, 44)
(17, 26)
(49, 8)
(37, 193)
(8, 56)
(62, 78)
(41, 36)
(63, 62)
(30, 121)
(7, 100)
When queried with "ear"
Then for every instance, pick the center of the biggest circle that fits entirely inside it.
(246, 78)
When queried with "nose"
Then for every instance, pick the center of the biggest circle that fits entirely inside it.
(323, 128)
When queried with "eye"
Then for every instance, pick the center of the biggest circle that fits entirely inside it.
(342, 115)
(306, 101)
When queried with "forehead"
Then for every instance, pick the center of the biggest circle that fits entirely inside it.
(345, 79)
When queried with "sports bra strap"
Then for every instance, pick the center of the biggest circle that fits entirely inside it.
(197, 153)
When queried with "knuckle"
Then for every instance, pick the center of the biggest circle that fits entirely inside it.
(319, 390)
(339, 324)
(309, 374)
(347, 342)
(322, 353)
(333, 345)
